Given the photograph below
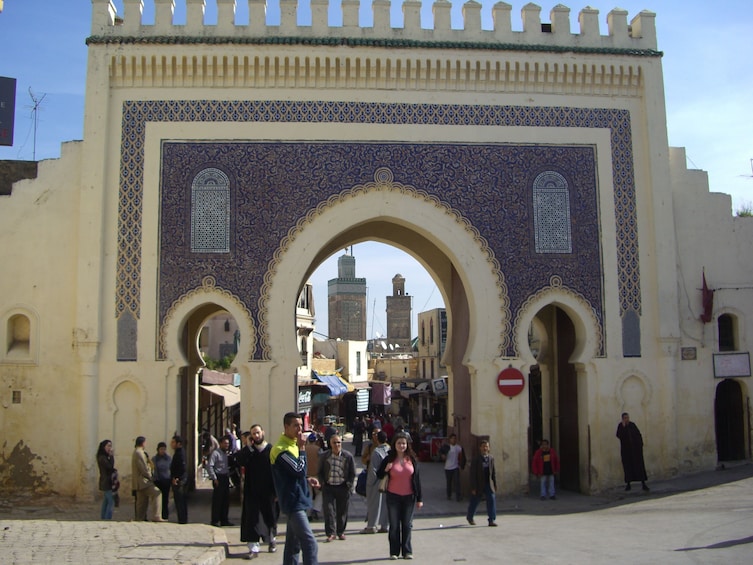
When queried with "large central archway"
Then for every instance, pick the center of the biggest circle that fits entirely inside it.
(446, 245)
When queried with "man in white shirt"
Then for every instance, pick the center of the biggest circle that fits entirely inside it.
(454, 460)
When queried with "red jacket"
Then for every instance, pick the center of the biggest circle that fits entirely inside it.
(538, 462)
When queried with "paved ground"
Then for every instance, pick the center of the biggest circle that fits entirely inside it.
(704, 518)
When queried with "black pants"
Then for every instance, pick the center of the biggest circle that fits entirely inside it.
(181, 507)
(221, 500)
(335, 502)
(259, 517)
(164, 486)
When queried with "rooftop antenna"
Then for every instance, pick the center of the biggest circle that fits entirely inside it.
(35, 117)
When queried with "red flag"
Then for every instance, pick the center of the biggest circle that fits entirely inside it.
(707, 298)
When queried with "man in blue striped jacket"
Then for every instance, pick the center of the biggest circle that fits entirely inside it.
(289, 474)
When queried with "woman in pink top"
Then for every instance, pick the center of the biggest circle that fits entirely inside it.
(403, 492)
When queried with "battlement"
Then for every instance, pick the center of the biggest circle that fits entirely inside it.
(637, 38)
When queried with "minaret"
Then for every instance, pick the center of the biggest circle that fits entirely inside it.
(347, 301)
(398, 316)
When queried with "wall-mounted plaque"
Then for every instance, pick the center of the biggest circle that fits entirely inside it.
(688, 353)
(731, 365)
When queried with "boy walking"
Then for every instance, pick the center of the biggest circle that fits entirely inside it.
(545, 465)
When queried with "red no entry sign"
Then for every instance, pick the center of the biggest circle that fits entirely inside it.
(511, 382)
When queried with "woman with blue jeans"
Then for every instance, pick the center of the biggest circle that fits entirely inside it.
(403, 494)
(106, 464)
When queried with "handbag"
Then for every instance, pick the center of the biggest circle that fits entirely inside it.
(384, 482)
(361, 483)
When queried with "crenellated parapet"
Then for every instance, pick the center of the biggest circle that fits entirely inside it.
(555, 35)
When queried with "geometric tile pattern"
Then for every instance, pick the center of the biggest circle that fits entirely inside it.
(494, 195)
(551, 214)
(210, 212)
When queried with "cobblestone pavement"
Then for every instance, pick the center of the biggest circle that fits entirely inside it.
(702, 518)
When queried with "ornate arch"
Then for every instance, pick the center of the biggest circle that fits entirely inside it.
(208, 292)
(590, 338)
(620, 387)
(384, 183)
(126, 378)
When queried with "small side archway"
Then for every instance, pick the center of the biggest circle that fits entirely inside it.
(558, 334)
(179, 343)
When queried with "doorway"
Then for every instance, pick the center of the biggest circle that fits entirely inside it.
(553, 391)
(729, 419)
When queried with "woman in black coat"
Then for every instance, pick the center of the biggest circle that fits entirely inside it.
(106, 464)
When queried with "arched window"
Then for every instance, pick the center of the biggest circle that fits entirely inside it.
(727, 327)
(210, 212)
(551, 214)
(18, 336)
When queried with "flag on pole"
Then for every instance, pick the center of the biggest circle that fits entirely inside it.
(707, 299)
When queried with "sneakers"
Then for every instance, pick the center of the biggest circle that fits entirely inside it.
(408, 556)
(272, 545)
(255, 547)
(393, 557)
(251, 555)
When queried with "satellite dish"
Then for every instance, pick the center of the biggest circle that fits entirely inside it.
(392, 347)
(384, 345)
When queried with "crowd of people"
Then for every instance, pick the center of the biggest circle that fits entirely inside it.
(306, 474)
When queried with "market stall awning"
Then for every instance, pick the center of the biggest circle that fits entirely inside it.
(333, 382)
(210, 377)
(348, 386)
(230, 393)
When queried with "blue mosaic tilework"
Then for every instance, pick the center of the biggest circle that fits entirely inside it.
(275, 184)
(500, 209)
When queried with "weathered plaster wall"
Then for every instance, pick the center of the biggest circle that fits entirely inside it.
(39, 447)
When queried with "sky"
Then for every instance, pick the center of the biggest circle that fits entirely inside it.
(708, 79)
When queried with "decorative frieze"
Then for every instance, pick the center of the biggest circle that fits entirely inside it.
(389, 72)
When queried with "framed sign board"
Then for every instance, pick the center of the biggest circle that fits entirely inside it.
(731, 365)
